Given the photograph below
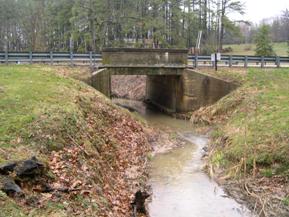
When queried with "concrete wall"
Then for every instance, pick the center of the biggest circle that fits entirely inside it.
(187, 92)
(174, 93)
(149, 57)
(145, 71)
(170, 85)
(101, 80)
(163, 91)
(201, 90)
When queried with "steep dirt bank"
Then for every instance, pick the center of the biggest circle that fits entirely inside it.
(129, 86)
(94, 151)
(249, 147)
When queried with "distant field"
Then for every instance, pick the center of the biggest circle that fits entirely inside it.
(249, 49)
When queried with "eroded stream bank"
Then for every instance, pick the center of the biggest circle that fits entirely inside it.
(180, 188)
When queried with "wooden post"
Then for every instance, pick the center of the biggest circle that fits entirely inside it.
(6, 56)
(90, 58)
(230, 61)
(30, 57)
(51, 57)
(246, 62)
(262, 62)
(216, 62)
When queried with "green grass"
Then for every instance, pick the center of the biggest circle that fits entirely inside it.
(286, 201)
(36, 106)
(41, 111)
(258, 127)
(249, 49)
(27, 95)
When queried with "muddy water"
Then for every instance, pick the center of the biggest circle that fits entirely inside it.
(180, 187)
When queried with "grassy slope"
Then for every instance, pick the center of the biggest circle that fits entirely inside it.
(56, 119)
(249, 49)
(259, 128)
(26, 94)
(254, 120)
(251, 137)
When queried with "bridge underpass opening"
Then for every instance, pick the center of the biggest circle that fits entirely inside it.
(160, 90)
(169, 84)
(131, 87)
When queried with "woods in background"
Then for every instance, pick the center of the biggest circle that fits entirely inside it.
(278, 29)
(90, 25)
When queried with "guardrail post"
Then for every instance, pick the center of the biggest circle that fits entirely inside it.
(71, 58)
(6, 57)
(30, 57)
(262, 62)
(230, 61)
(246, 62)
(90, 58)
(278, 62)
(51, 58)
(196, 61)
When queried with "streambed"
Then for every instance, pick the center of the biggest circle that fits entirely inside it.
(179, 185)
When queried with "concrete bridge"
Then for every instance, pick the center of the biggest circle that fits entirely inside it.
(170, 84)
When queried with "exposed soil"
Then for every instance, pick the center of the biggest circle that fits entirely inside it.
(164, 141)
(265, 196)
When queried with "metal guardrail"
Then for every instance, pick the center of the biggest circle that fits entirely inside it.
(50, 57)
(241, 61)
(95, 59)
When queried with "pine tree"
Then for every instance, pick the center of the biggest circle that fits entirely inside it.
(90, 25)
(263, 43)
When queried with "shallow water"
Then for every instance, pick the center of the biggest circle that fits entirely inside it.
(180, 187)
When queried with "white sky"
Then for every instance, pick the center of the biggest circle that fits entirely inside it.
(256, 10)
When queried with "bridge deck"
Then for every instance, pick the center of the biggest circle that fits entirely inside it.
(145, 66)
(144, 70)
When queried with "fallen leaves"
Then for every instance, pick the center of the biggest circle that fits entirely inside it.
(112, 165)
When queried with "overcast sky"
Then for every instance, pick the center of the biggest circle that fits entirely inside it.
(256, 10)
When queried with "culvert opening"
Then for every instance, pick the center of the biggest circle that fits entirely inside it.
(132, 87)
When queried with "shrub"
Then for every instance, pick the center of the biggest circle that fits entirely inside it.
(227, 50)
(264, 46)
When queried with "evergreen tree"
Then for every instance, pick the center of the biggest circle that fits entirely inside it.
(90, 25)
(263, 43)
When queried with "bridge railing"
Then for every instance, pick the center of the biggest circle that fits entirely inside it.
(95, 59)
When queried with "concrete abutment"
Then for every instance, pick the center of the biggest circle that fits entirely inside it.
(170, 85)
(174, 93)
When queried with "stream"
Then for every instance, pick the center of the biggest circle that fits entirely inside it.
(179, 185)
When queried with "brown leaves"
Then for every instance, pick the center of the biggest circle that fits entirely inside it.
(107, 164)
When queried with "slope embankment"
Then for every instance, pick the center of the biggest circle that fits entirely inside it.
(91, 153)
(250, 139)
